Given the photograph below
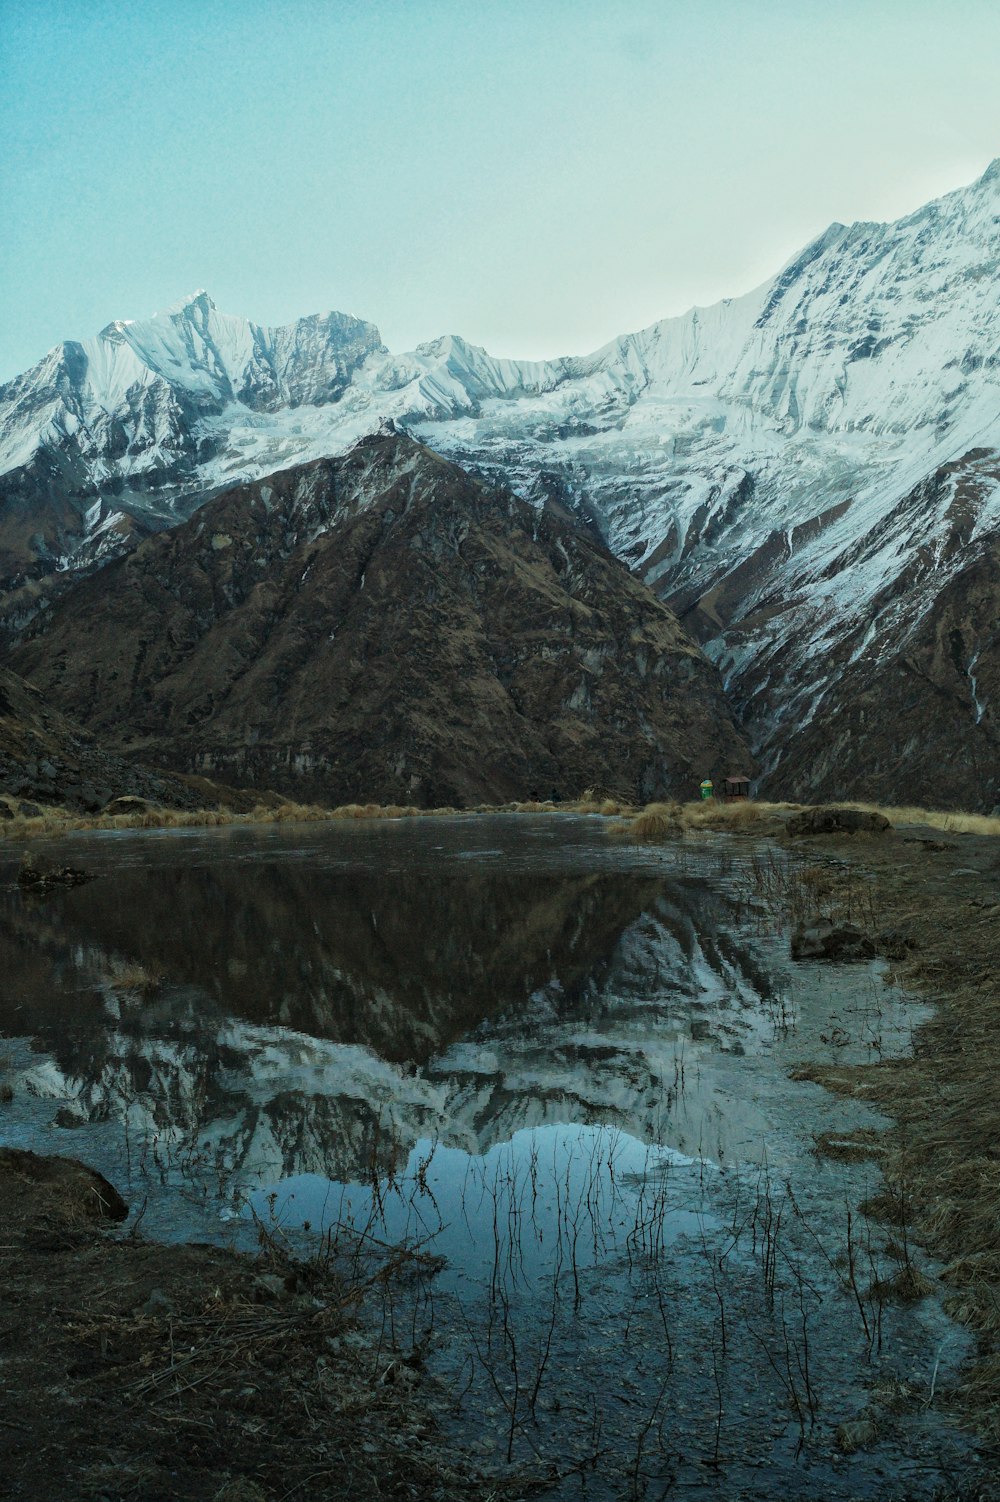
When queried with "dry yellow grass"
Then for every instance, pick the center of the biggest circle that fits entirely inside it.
(710, 814)
(953, 822)
(651, 825)
(129, 975)
(714, 813)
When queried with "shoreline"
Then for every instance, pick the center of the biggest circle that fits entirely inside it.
(940, 1157)
(652, 821)
(940, 899)
(194, 1373)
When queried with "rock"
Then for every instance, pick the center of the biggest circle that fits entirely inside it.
(817, 821)
(825, 940)
(45, 756)
(856, 1434)
(157, 1303)
(268, 1287)
(128, 803)
(61, 1185)
(69, 1117)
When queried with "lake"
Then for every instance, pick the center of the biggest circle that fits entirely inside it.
(552, 1064)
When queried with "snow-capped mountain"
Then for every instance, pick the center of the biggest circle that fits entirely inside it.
(801, 472)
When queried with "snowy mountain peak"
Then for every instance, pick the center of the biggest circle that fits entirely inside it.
(199, 297)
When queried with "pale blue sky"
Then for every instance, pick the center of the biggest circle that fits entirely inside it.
(536, 176)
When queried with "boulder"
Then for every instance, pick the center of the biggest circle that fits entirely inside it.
(813, 821)
(59, 1185)
(128, 803)
(825, 940)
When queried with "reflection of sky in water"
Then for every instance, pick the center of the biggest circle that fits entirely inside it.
(549, 1196)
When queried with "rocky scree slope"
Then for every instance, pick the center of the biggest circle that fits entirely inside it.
(47, 759)
(384, 627)
(806, 473)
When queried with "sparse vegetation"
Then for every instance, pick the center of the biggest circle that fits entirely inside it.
(129, 975)
(200, 1368)
(652, 825)
(939, 1158)
(656, 820)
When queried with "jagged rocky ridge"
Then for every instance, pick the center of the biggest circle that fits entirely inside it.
(807, 473)
(385, 627)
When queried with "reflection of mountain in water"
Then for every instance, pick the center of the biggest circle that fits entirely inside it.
(315, 1021)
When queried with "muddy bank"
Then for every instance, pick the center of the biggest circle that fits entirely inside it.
(134, 1370)
(930, 901)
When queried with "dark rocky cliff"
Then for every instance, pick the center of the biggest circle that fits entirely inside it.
(47, 759)
(383, 627)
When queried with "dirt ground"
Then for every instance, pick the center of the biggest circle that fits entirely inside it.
(132, 1370)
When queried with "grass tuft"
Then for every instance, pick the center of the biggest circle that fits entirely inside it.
(129, 975)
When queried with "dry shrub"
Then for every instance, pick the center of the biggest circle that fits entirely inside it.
(906, 1285)
(240, 1489)
(713, 813)
(130, 975)
(650, 826)
(285, 811)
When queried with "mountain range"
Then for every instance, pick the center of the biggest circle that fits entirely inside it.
(384, 625)
(808, 476)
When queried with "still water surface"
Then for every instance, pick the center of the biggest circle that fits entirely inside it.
(556, 1064)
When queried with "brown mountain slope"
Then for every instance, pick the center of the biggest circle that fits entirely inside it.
(384, 627)
(45, 758)
(914, 724)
